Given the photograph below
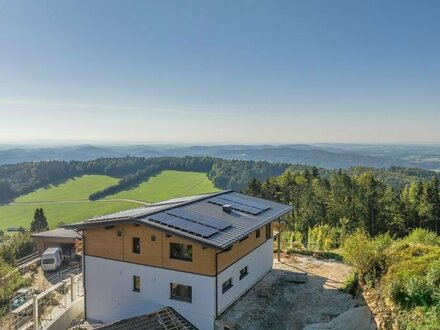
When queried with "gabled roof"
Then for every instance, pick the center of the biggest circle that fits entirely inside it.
(200, 218)
(58, 233)
(164, 319)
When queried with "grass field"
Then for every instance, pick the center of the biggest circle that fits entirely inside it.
(67, 212)
(72, 190)
(169, 184)
(68, 201)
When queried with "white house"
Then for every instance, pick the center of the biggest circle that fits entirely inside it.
(196, 255)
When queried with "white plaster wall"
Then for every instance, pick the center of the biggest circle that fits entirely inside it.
(259, 262)
(110, 295)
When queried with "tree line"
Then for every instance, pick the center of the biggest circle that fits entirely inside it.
(350, 201)
(19, 179)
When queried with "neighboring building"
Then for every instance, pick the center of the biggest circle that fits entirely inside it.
(196, 255)
(164, 319)
(67, 239)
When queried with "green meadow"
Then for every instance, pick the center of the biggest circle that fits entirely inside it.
(68, 201)
(169, 184)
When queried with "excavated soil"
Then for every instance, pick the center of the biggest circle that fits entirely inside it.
(300, 290)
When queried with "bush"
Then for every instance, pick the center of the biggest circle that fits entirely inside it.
(420, 318)
(14, 282)
(322, 238)
(361, 252)
(351, 284)
(291, 240)
(16, 247)
(422, 236)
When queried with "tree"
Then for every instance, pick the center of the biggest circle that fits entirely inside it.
(40, 222)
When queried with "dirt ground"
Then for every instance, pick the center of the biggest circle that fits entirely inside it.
(300, 290)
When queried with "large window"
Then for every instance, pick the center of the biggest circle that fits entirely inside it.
(136, 245)
(227, 285)
(181, 251)
(244, 272)
(181, 292)
(136, 283)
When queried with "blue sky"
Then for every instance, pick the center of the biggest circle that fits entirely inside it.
(219, 71)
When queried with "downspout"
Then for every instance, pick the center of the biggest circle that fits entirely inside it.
(216, 284)
(84, 271)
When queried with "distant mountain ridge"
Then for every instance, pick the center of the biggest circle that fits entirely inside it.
(323, 155)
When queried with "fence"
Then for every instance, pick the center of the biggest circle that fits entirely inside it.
(43, 308)
(31, 257)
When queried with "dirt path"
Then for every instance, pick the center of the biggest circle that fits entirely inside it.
(280, 301)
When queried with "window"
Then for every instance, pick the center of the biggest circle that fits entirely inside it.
(136, 283)
(268, 231)
(244, 272)
(244, 238)
(181, 251)
(136, 245)
(153, 238)
(227, 285)
(119, 233)
(181, 292)
(257, 233)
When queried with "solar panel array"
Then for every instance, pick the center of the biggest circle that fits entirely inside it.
(197, 217)
(184, 225)
(190, 222)
(239, 204)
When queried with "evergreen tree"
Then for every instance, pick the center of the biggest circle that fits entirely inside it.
(40, 222)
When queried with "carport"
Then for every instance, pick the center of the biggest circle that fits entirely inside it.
(68, 239)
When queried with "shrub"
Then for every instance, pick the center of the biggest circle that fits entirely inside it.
(322, 238)
(422, 236)
(291, 240)
(16, 247)
(361, 252)
(351, 284)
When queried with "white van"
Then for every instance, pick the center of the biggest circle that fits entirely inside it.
(52, 258)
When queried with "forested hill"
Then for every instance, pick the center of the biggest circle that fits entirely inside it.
(332, 156)
(18, 179)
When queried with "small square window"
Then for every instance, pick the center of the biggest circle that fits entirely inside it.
(181, 251)
(181, 292)
(257, 234)
(119, 233)
(136, 245)
(153, 238)
(136, 283)
(227, 285)
(244, 272)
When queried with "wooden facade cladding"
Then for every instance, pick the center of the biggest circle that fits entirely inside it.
(155, 248)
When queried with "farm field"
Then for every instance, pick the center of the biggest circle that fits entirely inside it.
(169, 184)
(68, 202)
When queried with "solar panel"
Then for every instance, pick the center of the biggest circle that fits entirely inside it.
(235, 206)
(199, 218)
(244, 202)
(184, 225)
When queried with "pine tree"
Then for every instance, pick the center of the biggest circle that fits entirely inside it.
(40, 222)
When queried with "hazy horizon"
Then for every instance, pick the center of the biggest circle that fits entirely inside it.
(251, 72)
